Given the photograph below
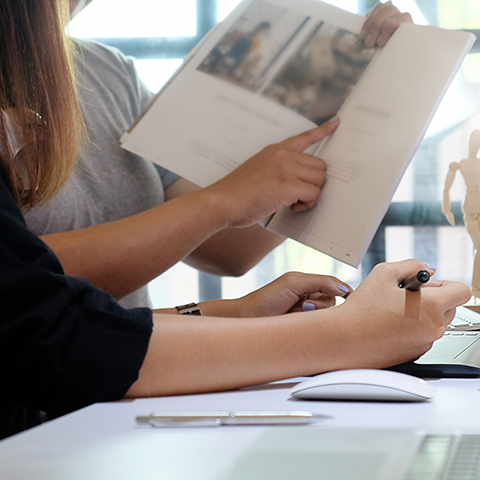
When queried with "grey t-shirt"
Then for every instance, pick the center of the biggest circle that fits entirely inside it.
(109, 183)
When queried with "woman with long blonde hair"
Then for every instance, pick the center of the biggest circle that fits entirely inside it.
(38, 96)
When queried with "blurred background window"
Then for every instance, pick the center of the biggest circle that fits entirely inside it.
(159, 34)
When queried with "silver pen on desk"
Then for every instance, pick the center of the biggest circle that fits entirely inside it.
(216, 419)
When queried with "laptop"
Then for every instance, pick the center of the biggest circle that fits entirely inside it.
(291, 453)
(455, 355)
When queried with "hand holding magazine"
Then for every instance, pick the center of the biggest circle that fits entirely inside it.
(276, 68)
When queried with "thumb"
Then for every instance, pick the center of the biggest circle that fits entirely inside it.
(301, 142)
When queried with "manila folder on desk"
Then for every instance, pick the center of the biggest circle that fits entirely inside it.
(276, 68)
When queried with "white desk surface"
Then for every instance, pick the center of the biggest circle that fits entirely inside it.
(103, 442)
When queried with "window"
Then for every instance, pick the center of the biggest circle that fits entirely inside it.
(159, 34)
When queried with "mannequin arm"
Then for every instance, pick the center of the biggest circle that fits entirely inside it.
(446, 203)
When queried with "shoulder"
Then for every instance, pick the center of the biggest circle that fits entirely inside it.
(454, 166)
(92, 51)
(104, 62)
(108, 72)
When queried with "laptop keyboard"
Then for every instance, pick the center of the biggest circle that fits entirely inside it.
(450, 346)
(447, 457)
(463, 331)
(465, 320)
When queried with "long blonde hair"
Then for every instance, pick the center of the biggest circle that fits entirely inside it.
(37, 84)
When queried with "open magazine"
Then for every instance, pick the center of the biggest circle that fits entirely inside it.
(275, 68)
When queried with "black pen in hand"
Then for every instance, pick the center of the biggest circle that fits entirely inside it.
(414, 282)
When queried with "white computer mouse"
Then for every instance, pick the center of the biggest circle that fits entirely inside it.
(361, 384)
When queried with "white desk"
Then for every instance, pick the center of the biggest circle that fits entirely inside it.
(103, 441)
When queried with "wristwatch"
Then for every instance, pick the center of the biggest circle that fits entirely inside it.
(189, 309)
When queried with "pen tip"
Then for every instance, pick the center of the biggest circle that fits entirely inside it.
(142, 420)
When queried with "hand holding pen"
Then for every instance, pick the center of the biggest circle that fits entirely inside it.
(414, 282)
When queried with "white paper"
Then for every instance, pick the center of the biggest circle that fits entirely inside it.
(306, 65)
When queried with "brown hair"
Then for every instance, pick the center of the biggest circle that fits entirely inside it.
(37, 88)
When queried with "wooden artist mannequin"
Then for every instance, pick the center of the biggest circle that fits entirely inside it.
(470, 170)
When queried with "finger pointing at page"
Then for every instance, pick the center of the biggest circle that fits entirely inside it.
(301, 142)
(280, 175)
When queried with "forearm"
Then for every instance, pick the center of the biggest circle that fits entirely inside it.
(286, 294)
(234, 251)
(215, 308)
(230, 252)
(200, 354)
(124, 255)
(189, 355)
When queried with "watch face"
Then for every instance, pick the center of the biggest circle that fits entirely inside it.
(189, 309)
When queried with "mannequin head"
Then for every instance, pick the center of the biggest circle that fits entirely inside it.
(474, 145)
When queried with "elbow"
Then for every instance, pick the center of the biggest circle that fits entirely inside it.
(237, 271)
(232, 266)
(230, 269)
(237, 266)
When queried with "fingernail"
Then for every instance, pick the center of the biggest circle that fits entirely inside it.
(334, 119)
(431, 267)
(361, 35)
(368, 40)
(343, 288)
(308, 307)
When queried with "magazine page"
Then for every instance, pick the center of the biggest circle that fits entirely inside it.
(382, 124)
(270, 70)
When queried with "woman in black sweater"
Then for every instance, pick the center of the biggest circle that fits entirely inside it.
(65, 344)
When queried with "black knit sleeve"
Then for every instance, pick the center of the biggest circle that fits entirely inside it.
(63, 343)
